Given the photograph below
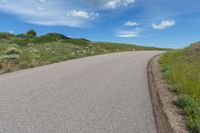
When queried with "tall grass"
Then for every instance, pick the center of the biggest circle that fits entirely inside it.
(181, 69)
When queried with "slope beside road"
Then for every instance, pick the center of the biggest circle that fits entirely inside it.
(100, 94)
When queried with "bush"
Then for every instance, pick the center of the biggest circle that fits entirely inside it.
(22, 41)
(12, 50)
(9, 58)
(8, 62)
(50, 37)
(192, 109)
(6, 36)
(176, 88)
(194, 124)
(31, 33)
(14, 45)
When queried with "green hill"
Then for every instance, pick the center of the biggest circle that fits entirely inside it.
(29, 50)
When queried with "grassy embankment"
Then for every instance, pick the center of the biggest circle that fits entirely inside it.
(27, 50)
(181, 69)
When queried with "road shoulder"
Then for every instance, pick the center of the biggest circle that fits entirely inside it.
(168, 116)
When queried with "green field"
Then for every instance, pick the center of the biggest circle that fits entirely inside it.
(181, 69)
(27, 50)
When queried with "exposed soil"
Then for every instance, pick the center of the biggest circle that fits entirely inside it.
(196, 45)
(169, 118)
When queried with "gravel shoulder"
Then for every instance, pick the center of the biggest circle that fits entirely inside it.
(169, 118)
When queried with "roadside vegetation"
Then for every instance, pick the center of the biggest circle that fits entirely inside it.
(27, 50)
(181, 70)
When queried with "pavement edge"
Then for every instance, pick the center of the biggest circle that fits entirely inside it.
(162, 123)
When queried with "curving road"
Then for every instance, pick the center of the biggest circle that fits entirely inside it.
(100, 94)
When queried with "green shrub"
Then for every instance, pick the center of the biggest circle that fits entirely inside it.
(185, 100)
(194, 124)
(6, 36)
(21, 42)
(31, 33)
(176, 88)
(192, 110)
(12, 50)
(14, 45)
(50, 37)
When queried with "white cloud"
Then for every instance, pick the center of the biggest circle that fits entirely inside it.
(129, 33)
(131, 23)
(164, 24)
(110, 4)
(11, 32)
(51, 12)
(127, 2)
(82, 14)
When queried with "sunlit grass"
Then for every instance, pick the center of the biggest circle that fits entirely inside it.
(181, 69)
(25, 51)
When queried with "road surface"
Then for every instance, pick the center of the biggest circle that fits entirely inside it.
(100, 94)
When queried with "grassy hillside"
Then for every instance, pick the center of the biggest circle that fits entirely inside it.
(27, 50)
(181, 70)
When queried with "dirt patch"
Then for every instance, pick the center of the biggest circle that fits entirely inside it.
(196, 46)
(169, 118)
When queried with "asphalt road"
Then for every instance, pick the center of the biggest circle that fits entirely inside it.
(100, 94)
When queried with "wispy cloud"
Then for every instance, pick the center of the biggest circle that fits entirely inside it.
(110, 4)
(82, 14)
(126, 32)
(51, 12)
(131, 23)
(59, 12)
(164, 24)
(129, 33)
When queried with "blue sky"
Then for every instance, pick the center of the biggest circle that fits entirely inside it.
(161, 23)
